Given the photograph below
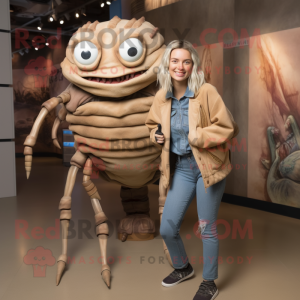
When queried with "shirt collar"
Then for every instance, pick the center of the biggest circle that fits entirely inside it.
(188, 93)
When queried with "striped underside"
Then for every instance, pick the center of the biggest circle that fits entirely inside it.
(119, 146)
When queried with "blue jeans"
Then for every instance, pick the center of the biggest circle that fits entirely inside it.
(187, 182)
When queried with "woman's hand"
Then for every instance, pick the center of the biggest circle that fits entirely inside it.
(160, 138)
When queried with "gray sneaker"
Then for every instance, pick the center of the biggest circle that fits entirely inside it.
(178, 275)
(207, 291)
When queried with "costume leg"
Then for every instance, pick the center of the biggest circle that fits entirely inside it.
(60, 117)
(65, 216)
(32, 137)
(77, 161)
(135, 200)
(137, 224)
(100, 219)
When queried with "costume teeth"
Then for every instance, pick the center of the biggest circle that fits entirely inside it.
(119, 79)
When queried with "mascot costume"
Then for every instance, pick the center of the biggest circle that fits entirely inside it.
(112, 69)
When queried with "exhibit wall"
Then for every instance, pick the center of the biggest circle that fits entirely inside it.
(37, 77)
(212, 64)
(153, 4)
(257, 99)
(274, 118)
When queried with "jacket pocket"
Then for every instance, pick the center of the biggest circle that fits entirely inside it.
(216, 156)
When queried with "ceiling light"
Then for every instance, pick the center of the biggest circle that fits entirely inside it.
(11, 10)
(102, 3)
(108, 2)
(77, 15)
(61, 21)
(36, 48)
(47, 44)
(50, 19)
(40, 26)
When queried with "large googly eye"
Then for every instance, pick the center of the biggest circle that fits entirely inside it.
(85, 53)
(131, 50)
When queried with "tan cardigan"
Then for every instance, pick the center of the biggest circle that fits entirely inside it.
(210, 126)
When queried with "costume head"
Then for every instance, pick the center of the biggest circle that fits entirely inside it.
(119, 52)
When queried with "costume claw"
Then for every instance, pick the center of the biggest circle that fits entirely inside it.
(60, 269)
(28, 163)
(136, 227)
(56, 143)
(105, 273)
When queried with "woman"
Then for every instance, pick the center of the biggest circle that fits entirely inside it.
(196, 126)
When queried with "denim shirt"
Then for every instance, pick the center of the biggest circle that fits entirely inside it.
(180, 123)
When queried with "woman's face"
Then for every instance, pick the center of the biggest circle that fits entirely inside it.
(181, 64)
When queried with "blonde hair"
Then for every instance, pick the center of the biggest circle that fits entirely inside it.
(195, 80)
